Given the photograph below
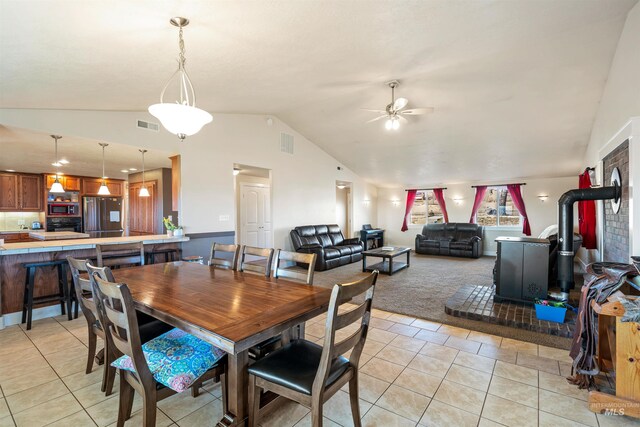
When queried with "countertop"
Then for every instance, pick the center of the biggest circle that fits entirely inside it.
(17, 231)
(57, 235)
(78, 244)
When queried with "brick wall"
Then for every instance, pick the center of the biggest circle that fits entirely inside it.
(616, 226)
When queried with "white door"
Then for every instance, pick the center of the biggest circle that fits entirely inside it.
(255, 216)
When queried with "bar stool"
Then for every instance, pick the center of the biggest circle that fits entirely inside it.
(194, 258)
(29, 288)
(171, 254)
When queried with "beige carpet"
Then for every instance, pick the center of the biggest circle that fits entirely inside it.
(423, 288)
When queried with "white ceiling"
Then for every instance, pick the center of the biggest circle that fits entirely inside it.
(515, 84)
(27, 151)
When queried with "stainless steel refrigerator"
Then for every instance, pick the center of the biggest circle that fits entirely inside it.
(102, 216)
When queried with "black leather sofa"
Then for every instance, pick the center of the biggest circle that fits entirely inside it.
(452, 239)
(328, 243)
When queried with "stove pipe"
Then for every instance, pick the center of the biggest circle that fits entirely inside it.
(565, 227)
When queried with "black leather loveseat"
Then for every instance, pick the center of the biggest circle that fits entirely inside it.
(452, 239)
(328, 243)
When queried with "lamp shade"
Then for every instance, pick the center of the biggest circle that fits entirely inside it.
(181, 120)
(56, 187)
(143, 192)
(104, 190)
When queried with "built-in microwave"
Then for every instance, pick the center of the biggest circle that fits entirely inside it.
(64, 209)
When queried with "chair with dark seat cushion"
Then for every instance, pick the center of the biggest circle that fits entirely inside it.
(329, 245)
(309, 374)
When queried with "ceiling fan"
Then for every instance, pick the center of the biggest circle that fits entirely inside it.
(394, 112)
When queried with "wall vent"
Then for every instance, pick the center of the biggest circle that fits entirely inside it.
(148, 125)
(286, 143)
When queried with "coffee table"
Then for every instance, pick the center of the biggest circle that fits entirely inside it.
(388, 265)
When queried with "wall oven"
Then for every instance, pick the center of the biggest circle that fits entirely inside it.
(62, 209)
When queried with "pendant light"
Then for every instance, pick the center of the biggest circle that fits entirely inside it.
(104, 190)
(180, 117)
(56, 187)
(143, 190)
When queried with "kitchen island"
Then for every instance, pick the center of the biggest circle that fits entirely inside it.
(57, 235)
(12, 274)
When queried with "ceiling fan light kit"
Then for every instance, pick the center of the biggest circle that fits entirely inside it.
(394, 112)
(181, 118)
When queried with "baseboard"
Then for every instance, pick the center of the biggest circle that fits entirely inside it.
(10, 319)
(489, 253)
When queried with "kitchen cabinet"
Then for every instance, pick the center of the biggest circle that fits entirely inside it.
(143, 212)
(90, 187)
(20, 192)
(69, 183)
(17, 237)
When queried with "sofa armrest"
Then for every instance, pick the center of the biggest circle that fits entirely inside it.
(475, 239)
(476, 246)
(352, 241)
(421, 237)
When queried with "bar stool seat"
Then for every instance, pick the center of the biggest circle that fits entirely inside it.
(29, 288)
(170, 254)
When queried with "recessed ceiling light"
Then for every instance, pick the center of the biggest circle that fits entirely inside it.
(64, 161)
(11, 170)
(133, 169)
(56, 164)
(125, 171)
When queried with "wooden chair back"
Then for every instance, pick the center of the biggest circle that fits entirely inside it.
(82, 288)
(120, 255)
(343, 293)
(286, 259)
(230, 263)
(121, 323)
(261, 266)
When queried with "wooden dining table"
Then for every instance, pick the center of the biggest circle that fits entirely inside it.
(232, 310)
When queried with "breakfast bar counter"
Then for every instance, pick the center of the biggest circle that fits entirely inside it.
(14, 255)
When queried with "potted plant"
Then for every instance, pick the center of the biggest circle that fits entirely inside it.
(178, 232)
(170, 226)
(552, 311)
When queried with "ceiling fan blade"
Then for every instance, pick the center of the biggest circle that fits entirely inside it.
(376, 119)
(417, 111)
(400, 103)
(402, 119)
(374, 111)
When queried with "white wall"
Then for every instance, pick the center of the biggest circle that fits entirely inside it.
(303, 184)
(621, 96)
(541, 214)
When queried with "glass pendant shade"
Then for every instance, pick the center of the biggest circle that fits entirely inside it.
(388, 124)
(56, 187)
(104, 190)
(396, 124)
(179, 119)
(143, 192)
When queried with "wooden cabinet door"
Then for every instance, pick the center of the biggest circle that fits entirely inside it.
(115, 188)
(90, 186)
(142, 210)
(50, 180)
(30, 192)
(71, 183)
(9, 192)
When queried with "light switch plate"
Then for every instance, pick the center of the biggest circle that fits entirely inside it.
(223, 218)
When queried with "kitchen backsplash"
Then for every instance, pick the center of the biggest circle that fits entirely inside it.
(11, 220)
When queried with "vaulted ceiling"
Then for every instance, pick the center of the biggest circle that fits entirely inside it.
(515, 83)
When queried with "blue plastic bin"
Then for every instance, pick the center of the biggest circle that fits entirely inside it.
(550, 313)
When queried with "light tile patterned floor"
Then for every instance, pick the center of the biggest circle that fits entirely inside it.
(413, 373)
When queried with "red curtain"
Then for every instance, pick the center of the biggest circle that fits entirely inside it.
(587, 215)
(411, 197)
(516, 196)
(480, 191)
(438, 194)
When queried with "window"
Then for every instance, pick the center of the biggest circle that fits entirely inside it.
(497, 209)
(426, 209)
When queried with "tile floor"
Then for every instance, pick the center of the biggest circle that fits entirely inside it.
(413, 373)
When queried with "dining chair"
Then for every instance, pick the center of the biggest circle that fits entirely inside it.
(284, 259)
(261, 266)
(310, 374)
(84, 298)
(151, 369)
(148, 327)
(284, 269)
(230, 262)
(128, 254)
